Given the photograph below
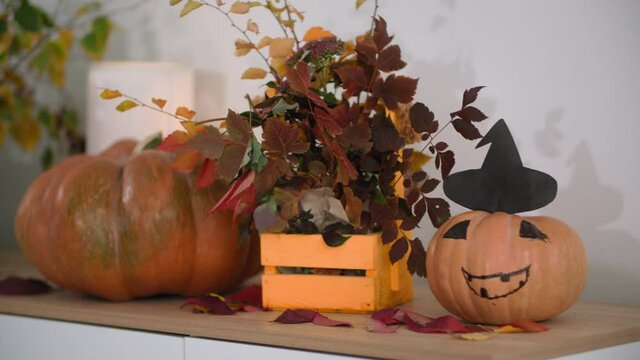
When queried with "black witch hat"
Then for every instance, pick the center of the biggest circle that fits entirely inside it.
(502, 184)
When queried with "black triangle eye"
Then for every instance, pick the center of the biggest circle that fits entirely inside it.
(530, 231)
(458, 231)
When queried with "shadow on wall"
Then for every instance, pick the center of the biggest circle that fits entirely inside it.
(589, 206)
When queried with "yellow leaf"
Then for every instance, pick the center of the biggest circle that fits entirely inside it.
(185, 112)
(25, 131)
(126, 105)
(242, 47)
(66, 38)
(109, 94)
(3, 131)
(474, 336)
(316, 33)
(290, 23)
(193, 128)
(159, 102)
(360, 3)
(508, 329)
(240, 7)
(265, 41)
(253, 74)
(281, 47)
(189, 7)
(416, 161)
(349, 47)
(297, 12)
(253, 27)
(280, 65)
(174, 2)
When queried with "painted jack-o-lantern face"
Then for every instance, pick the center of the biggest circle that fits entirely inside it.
(498, 268)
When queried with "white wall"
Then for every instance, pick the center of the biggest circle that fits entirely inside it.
(564, 75)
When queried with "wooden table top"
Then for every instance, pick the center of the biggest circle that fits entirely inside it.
(584, 327)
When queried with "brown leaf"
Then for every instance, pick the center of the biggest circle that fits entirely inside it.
(14, 285)
(327, 122)
(470, 95)
(473, 114)
(429, 185)
(380, 36)
(230, 161)
(423, 119)
(353, 79)
(398, 249)
(389, 59)
(242, 47)
(416, 263)
(367, 51)
(438, 210)
(210, 143)
(238, 128)
(395, 89)
(356, 137)
(274, 170)
(445, 162)
(300, 80)
(466, 129)
(159, 102)
(354, 206)
(281, 138)
(384, 134)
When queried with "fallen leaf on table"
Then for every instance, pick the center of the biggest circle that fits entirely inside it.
(377, 326)
(14, 285)
(209, 304)
(417, 318)
(308, 316)
(474, 336)
(444, 324)
(249, 298)
(529, 326)
(508, 329)
(387, 316)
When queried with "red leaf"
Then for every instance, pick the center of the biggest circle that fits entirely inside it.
(389, 234)
(174, 141)
(466, 129)
(207, 174)
(242, 191)
(417, 318)
(445, 324)
(422, 119)
(529, 326)
(367, 51)
(296, 316)
(322, 320)
(395, 89)
(385, 135)
(251, 295)
(327, 122)
(14, 285)
(377, 326)
(389, 59)
(300, 81)
(345, 114)
(209, 304)
(387, 316)
(417, 259)
(356, 137)
(470, 95)
(354, 80)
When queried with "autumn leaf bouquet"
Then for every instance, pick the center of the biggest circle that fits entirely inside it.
(325, 148)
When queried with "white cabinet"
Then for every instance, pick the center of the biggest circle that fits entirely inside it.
(24, 338)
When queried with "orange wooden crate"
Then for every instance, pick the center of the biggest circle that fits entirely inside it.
(384, 285)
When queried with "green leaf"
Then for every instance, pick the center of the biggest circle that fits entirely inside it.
(189, 7)
(28, 17)
(94, 43)
(282, 106)
(126, 105)
(359, 3)
(46, 160)
(174, 2)
(258, 160)
(70, 119)
(153, 142)
(48, 121)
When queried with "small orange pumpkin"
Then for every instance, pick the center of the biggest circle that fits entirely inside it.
(492, 266)
(122, 226)
(498, 268)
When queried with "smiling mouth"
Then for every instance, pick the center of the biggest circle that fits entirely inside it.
(498, 285)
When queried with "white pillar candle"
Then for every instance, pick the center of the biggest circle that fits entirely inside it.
(142, 80)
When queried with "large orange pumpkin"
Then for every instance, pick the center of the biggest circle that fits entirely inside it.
(496, 268)
(119, 227)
